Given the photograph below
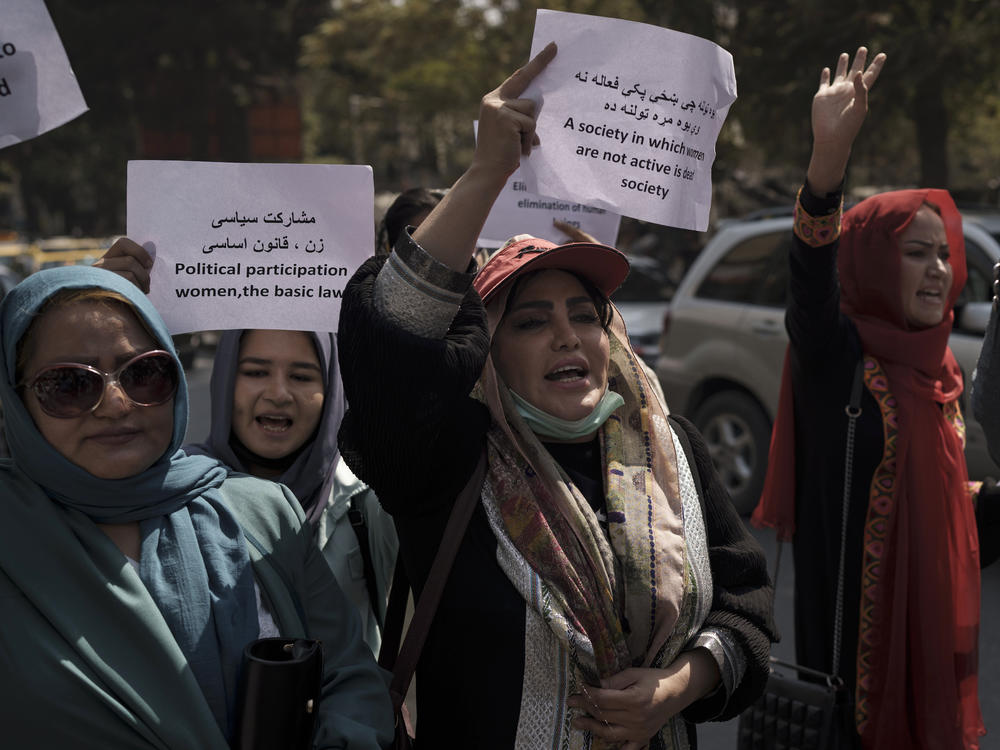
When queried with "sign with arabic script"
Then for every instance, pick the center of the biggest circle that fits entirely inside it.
(629, 116)
(38, 91)
(251, 245)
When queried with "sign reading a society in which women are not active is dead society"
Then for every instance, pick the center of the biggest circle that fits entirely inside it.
(629, 115)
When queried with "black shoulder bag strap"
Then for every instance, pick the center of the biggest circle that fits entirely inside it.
(853, 411)
(357, 518)
(404, 662)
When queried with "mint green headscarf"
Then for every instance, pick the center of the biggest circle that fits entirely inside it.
(194, 558)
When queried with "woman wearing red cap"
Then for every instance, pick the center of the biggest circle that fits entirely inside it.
(910, 618)
(599, 597)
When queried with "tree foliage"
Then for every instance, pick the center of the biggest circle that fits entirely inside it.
(186, 66)
(396, 84)
(943, 61)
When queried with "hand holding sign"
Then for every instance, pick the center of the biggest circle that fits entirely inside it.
(506, 131)
(129, 260)
(506, 122)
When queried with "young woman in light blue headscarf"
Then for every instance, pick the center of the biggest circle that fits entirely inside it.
(277, 403)
(127, 584)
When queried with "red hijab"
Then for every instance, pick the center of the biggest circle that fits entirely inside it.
(923, 686)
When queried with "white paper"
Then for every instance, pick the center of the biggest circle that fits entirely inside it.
(629, 116)
(251, 245)
(516, 211)
(38, 91)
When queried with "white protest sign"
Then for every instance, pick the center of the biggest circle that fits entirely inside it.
(251, 245)
(629, 117)
(516, 211)
(38, 91)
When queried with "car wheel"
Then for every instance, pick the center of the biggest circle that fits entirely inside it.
(737, 433)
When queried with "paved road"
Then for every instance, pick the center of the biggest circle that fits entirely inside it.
(199, 403)
(723, 736)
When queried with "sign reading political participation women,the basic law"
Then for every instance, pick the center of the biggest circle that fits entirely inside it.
(38, 91)
(629, 115)
(251, 245)
(516, 211)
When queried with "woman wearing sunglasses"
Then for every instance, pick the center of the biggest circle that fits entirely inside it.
(132, 576)
(277, 403)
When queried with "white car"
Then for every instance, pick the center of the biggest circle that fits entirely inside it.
(724, 342)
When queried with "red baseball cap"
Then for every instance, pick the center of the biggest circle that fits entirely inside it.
(604, 266)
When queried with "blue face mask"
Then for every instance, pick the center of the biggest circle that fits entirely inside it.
(545, 425)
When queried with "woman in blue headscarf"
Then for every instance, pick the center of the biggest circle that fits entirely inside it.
(127, 584)
(277, 403)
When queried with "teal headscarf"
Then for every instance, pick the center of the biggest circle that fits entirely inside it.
(194, 561)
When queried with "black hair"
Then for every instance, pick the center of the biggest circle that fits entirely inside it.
(408, 204)
(602, 303)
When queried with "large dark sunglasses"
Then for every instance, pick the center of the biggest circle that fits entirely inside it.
(66, 389)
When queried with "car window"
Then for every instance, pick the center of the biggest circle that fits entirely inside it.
(754, 271)
(979, 286)
(773, 291)
(646, 282)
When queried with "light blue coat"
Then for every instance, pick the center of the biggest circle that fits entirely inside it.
(339, 543)
(87, 661)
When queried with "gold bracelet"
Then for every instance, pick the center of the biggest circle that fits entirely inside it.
(816, 231)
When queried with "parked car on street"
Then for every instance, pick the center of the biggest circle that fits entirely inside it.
(986, 217)
(8, 280)
(642, 300)
(724, 342)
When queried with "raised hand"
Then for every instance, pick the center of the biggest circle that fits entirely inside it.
(506, 122)
(506, 131)
(838, 111)
(129, 260)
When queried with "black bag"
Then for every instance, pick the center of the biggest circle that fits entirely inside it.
(794, 713)
(279, 696)
(802, 708)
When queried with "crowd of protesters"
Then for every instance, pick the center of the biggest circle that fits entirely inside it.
(604, 593)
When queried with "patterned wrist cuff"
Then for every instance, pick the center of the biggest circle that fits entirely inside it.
(418, 293)
(816, 231)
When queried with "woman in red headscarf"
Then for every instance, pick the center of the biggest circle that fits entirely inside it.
(910, 614)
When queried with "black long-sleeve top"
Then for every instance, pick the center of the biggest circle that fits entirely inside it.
(414, 435)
